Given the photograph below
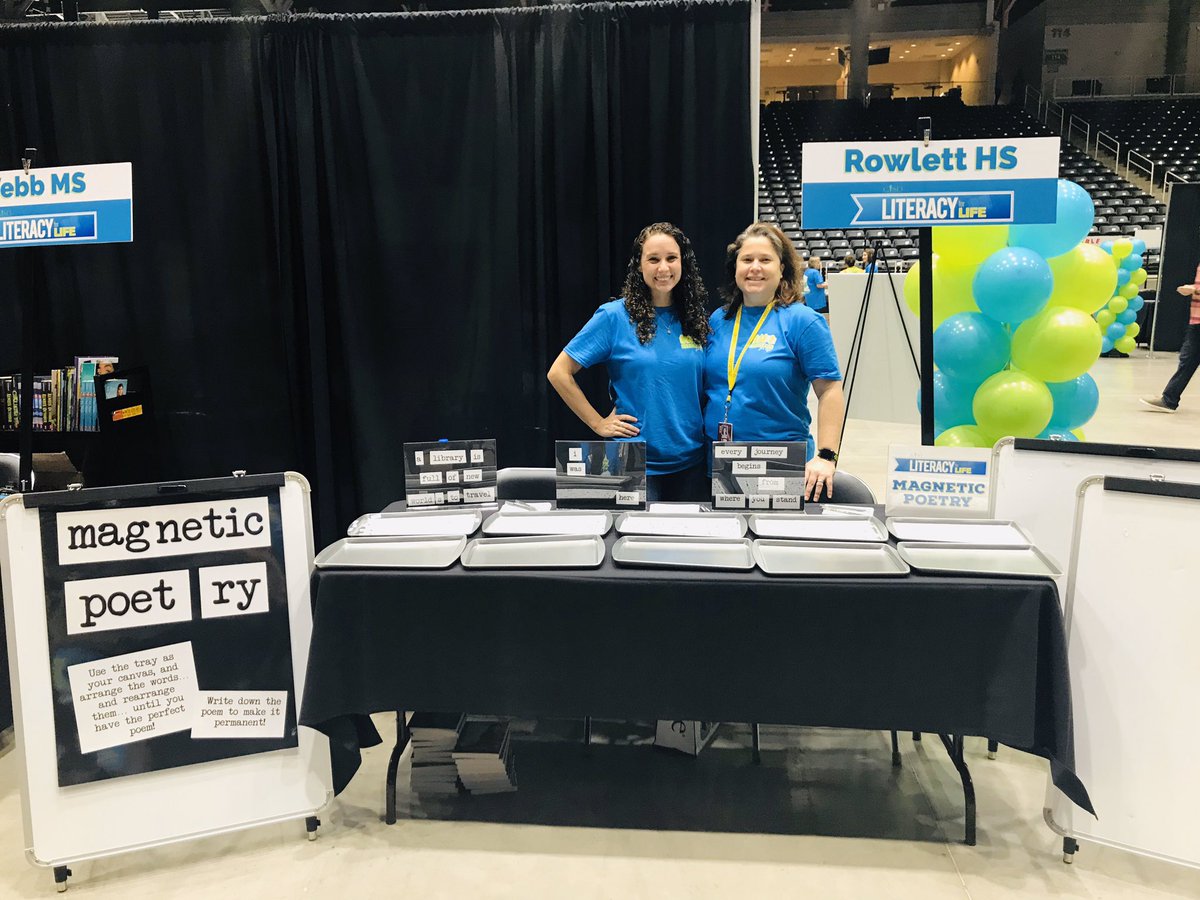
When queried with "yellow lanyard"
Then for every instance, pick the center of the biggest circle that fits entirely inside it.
(732, 367)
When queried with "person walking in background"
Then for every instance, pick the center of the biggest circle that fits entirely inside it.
(817, 299)
(1189, 354)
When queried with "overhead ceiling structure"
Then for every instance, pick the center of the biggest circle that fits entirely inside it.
(904, 49)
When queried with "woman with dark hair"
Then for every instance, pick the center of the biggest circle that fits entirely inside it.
(652, 341)
(766, 348)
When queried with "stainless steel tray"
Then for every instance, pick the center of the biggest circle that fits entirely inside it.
(684, 552)
(706, 525)
(977, 559)
(995, 532)
(431, 552)
(819, 528)
(457, 522)
(556, 521)
(581, 551)
(820, 558)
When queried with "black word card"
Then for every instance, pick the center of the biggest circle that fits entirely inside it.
(758, 474)
(450, 472)
(169, 635)
(600, 474)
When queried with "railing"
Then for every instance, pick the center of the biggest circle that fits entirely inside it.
(1077, 124)
(1170, 178)
(1142, 163)
(1108, 87)
(1108, 144)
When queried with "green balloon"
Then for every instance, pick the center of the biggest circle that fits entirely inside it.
(951, 289)
(1128, 290)
(962, 436)
(1058, 344)
(1013, 403)
(1105, 317)
(1125, 344)
(969, 245)
(1138, 277)
(1118, 305)
(1084, 278)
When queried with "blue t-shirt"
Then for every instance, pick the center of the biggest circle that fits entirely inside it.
(770, 401)
(660, 383)
(816, 296)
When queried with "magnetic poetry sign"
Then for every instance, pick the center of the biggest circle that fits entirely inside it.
(168, 632)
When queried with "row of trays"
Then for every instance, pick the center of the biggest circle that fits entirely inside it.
(514, 523)
(774, 557)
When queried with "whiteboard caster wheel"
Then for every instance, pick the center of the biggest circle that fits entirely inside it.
(311, 824)
(61, 874)
(1070, 845)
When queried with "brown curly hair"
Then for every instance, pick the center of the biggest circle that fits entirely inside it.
(790, 288)
(689, 297)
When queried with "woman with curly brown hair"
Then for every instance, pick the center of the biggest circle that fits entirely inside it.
(652, 341)
(766, 348)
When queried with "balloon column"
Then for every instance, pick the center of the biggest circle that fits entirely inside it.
(1014, 329)
(1118, 317)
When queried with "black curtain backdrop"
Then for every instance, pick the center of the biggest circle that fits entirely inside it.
(352, 232)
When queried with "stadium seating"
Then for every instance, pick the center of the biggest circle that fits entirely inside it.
(1121, 207)
(1163, 130)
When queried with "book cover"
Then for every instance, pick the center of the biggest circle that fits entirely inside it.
(87, 368)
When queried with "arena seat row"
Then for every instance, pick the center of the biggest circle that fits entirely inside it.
(1121, 207)
(1167, 131)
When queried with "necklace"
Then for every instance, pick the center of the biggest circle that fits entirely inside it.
(665, 320)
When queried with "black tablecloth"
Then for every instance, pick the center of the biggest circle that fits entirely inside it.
(970, 656)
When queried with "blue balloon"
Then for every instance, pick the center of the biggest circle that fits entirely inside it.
(1136, 303)
(1105, 344)
(951, 402)
(1012, 284)
(1106, 246)
(1128, 317)
(1139, 247)
(1054, 433)
(1115, 332)
(1075, 402)
(1123, 276)
(1132, 262)
(970, 347)
(1074, 220)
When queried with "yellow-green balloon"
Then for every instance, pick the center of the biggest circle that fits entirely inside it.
(1121, 248)
(1118, 305)
(969, 245)
(1058, 344)
(951, 290)
(1138, 277)
(1125, 344)
(1105, 317)
(1078, 432)
(962, 436)
(1128, 290)
(1084, 278)
(1133, 330)
(1013, 403)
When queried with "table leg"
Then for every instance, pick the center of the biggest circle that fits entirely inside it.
(993, 746)
(954, 747)
(916, 737)
(754, 737)
(587, 730)
(895, 749)
(389, 786)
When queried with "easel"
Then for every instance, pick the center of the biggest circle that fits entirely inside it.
(28, 335)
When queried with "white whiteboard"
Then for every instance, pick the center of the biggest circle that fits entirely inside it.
(1131, 635)
(1036, 487)
(64, 825)
(885, 383)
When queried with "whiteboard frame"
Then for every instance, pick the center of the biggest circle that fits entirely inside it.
(1057, 810)
(151, 809)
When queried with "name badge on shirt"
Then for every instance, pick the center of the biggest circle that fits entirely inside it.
(724, 431)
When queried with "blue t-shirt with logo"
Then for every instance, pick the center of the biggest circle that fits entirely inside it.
(770, 401)
(659, 383)
(816, 296)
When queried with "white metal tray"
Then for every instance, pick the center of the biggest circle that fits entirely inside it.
(684, 552)
(709, 525)
(819, 528)
(430, 552)
(581, 551)
(856, 558)
(995, 532)
(557, 521)
(417, 523)
(977, 559)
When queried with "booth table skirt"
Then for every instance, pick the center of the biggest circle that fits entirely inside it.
(960, 656)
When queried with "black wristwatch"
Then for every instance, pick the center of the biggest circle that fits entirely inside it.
(827, 454)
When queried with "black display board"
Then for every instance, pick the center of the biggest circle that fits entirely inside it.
(445, 473)
(167, 621)
(758, 474)
(1180, 256)
(600, 474)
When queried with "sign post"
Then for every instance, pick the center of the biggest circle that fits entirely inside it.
(926, 183)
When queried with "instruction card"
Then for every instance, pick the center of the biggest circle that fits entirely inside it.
(450, 473)
(759, 474)
(170, 623)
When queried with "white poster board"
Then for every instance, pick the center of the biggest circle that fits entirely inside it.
(1131, 643)
(1034, 482)
(883, 387)
(946, 482)
(111, 801)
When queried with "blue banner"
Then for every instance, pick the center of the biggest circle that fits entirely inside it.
(47, 224)
(914, 204)
(927, 466)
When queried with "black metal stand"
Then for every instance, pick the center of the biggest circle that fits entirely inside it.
(954, 747)
(389, 785)
(925, 328)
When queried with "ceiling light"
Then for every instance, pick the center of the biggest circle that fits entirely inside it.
(912, 45)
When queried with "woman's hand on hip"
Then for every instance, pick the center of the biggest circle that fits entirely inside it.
(616, 426)
(818, 477)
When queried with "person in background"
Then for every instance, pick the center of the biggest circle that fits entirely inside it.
(1189, 353)
(652, 342)
(850, 264)
(817, 299)
(766, 349)
(869, 263)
